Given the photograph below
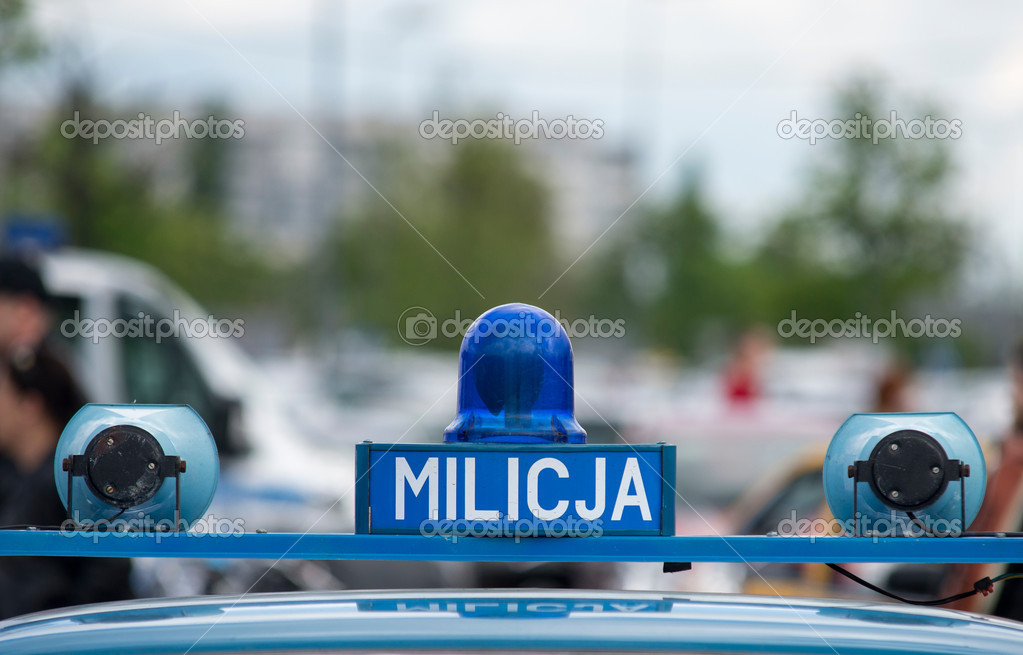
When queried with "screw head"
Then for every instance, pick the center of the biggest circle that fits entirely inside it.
(152, 466)
(894, 446)
(935, 470)
(109, 488)
(110, 441)
(894, 493)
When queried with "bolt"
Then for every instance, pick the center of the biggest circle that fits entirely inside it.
(935, 470)
(894, 446)
(894, 493)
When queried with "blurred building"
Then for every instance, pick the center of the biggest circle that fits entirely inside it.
(288, 184)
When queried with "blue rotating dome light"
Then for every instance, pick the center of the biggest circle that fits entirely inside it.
(904, 474)
(515, 380)
(151, 467)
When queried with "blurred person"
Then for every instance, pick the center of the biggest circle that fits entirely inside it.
(893, 390)
(1002, 511)
(24, 306)
(742, 373)
(24, 323)
(37, 398)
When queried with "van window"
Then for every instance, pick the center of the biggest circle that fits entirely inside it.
(159, 369)
(63, 309)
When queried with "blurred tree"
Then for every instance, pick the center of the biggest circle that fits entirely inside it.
(109, 201)
(667, 274)
(872, 231)
(209, 163)
(874, 227)
(18, 41)
(483, 212)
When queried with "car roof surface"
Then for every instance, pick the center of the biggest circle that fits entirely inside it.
(518, 620)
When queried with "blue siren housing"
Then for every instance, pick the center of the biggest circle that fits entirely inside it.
(912, 474)
(152, 467)
(516, 380)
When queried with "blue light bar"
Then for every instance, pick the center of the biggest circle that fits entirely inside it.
(420, 548)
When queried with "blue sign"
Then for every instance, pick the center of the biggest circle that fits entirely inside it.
(515, 490)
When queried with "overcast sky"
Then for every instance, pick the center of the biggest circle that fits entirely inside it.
(681, 83)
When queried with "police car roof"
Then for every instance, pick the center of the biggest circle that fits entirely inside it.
(534, 620)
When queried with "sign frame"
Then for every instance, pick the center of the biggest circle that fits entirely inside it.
(363, 473)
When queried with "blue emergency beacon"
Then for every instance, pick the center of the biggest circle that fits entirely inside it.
(516, 380)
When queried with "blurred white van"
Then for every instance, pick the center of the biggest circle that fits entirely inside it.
(272, 469)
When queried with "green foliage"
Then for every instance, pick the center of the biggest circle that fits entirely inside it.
(667, 275)
(873, 228)
(870, 232)
(110, 203)
(480, 215)
(18, 41)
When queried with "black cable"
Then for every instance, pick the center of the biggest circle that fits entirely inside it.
(97, 526)
(919, 524)
(982, 586)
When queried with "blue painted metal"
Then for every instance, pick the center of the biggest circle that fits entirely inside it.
(362, 489)
(515, 380)
(668, 492)
(526, 621)
(30, 233)
(442, 468)
(603, 549)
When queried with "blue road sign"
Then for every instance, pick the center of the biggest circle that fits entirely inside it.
(515, 490)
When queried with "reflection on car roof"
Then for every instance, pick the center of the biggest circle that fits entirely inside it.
(505, 620)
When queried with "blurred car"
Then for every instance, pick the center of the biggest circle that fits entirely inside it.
(266, 453)
(507, 621)
(276, 471)
(790, 501)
